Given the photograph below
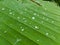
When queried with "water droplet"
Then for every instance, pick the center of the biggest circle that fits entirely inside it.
(36, 27)
(10, 13)
(22, 29)
(38, 40)
(18, 17)
(52, 21)
(3, 8)
(5, 31)
(47, 33)
(35, 14)
(18, 40)
(33, 18)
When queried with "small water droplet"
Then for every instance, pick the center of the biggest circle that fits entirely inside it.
(18, 40)
(5, 31)
(38, 40)
(22, 29)
(3, 8)
(52, 21)
(33, 18)
(35, 14)
(36, 27)
(47, 33)
(10, 13)
(18, 17)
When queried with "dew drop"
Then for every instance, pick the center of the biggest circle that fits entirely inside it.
(33, 18)
(52, 21)
(47, 33)
(35, 14)
(10, 13)
(36, 27)
(5, 31)
(18, 40)
(22, 29)
(3, 8)
(18, 17)
(38, 40)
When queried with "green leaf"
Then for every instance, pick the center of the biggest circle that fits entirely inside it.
(27, 22)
